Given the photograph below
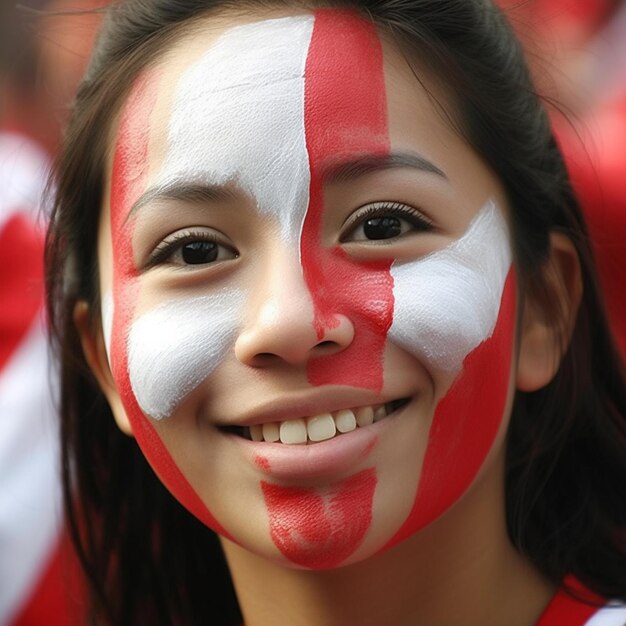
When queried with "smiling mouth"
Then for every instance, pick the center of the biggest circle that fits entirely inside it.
(310, 430)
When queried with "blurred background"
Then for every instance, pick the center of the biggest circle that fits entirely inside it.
(577, 52)
(41, 61)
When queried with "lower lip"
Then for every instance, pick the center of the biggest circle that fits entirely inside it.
(328, 458)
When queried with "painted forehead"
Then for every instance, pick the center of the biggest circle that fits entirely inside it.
(238, 111)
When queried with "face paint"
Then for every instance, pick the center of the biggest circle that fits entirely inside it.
(342, 71)
(466, 422)
(320, 529)
(128, 181)
(191, 336)
(262, 98)
(238, 117)
(447, 303)
(267, 108)
(465, 325)
(291, 112)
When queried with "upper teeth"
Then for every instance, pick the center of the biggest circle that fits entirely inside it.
(318, 427)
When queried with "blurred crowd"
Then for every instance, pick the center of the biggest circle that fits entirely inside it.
(577, 51)
(41, 61)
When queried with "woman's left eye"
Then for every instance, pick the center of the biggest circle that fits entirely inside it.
(384, 221)
(189, 248)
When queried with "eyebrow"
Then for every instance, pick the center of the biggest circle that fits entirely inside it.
(185, 191)
(368, 164)
(199, 193)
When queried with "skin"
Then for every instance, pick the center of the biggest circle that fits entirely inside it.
(466, 554)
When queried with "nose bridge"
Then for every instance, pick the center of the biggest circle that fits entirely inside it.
(279, 315)
(283, 297)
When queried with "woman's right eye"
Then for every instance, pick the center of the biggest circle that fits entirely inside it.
(190, 248)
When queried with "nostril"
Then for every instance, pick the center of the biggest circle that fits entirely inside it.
(327, 344)
(264, 359)
(267, 359)
(325, 347)
(266, 344)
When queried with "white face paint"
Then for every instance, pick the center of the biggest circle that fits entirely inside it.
(447, 303)
(174, 347)
(238, 116)
(245, 113)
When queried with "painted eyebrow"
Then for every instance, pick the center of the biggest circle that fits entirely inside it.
(368, 164)
(184, 191)
(194, 192)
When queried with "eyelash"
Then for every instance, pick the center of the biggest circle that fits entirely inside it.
(166, 249)
(387, 209)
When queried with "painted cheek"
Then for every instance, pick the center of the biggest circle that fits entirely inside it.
(320, 529)
(128, 181)
(188, 338)
(464, 327)
(466, 422)
(236, 117)
(345, 116)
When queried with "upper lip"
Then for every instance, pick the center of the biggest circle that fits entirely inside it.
(294, 407)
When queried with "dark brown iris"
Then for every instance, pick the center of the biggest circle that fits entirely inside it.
(382, 227)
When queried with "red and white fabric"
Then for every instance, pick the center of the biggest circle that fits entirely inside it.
(31, 569)
(581, 607)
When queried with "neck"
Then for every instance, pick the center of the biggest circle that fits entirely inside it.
(460, 571)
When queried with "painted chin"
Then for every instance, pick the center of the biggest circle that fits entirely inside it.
(321, 528)
(322, 498)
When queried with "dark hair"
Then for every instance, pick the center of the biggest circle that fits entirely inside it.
(145, 556)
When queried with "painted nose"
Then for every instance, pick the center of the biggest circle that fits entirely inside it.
(281, 325)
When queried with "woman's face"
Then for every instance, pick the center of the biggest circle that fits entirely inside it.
(309, 300)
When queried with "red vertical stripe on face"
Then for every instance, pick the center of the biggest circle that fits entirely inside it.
(345, 117)
(466, 422)
(320, 529)
(128, 181)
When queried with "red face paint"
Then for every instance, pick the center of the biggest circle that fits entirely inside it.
(321, 528)
(345, 117)
(128, 181)
(466, 422)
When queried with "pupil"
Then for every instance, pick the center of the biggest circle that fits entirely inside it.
(198, 252)
(382, 227)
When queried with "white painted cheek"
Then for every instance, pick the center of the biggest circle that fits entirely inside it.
(447, 303)
(174, 347)
(238, 115)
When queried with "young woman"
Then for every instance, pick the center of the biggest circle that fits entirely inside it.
(324, 263)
